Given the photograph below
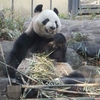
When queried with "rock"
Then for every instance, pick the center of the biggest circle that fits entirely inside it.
(1, 66)
(24, 65)
(97, 78)
(88, 28)
(63, 68)
(88, 71)
(87, 48)
(26, 24)
(74, 59)
(6, 46)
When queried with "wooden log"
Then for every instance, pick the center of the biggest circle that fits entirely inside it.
(69, 98)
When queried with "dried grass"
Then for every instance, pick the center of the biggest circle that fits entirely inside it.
(41, 68)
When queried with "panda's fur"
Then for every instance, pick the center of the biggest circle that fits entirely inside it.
(45, 23)
(41, 31)
(58, 46)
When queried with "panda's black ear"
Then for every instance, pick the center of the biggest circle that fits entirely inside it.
(38, 8)
(56, 11)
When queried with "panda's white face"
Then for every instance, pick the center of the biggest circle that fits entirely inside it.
(46, 23)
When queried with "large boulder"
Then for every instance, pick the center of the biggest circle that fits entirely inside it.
(26, 23)
(87, 48)
(88, 71)
(74, 59)
(87, 28)
(1, 65)
(6, 46)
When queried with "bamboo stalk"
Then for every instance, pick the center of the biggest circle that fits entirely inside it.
(51, 86)
(68, 98)
(19, 72)
(72, 92)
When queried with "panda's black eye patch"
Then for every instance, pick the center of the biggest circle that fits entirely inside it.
(45, 21)
(56, 24)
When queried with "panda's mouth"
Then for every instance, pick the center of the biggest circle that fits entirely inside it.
(50, 31)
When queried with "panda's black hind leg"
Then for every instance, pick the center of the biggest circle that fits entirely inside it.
(18, 53)
(75, 77)
(38, 8)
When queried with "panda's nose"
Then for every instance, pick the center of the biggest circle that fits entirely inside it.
(52, 28)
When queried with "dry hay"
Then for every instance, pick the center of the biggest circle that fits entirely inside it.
(41, 68)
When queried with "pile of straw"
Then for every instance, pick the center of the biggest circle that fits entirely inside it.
(41, 68)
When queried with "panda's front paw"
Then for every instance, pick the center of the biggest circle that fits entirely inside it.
(59, 40)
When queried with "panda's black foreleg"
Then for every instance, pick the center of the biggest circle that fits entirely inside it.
(60, 48)
(18, 53)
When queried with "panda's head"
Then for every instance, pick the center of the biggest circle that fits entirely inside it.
(46, 23)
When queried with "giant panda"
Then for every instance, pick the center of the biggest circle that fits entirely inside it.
(42, 35)
(43, 29)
